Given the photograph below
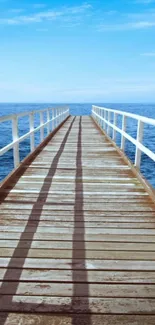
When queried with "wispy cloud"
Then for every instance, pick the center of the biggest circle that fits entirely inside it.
(130, 21)
(47, 15)
(126, 26)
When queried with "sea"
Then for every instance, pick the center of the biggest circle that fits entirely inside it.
(148, 110)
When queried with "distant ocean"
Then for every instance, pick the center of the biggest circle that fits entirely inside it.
(147, 166)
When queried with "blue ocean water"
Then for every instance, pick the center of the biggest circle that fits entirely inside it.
(147, 165)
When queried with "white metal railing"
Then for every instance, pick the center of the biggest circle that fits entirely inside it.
(59, 114)
(104, 118)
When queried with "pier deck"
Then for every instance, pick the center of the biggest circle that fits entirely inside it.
(77, 236)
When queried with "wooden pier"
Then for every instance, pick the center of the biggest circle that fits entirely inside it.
(77, 234)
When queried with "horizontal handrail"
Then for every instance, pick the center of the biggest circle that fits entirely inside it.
(144, 119)
(59, 114)
(22, 114)
(100, 115)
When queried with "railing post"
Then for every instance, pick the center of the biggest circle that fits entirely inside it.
(103, 115)
(67, 113)
(31, 119)
(42, 128)
(92, 110)
(123, 129)
(15, 138)
(53, 116)
(63, 114)
(59, 116)
(108, 128)
(56, 117)
(48, 120)
(140, 130)
(99, 116)
(115, 123)
(100, 121)
(96, 113)
(100, 113)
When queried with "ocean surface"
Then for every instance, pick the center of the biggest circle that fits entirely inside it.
(147, 165)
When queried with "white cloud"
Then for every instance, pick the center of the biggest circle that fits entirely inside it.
(143, 19)
(47, 15)
(126, 26)
(147, 15)
(78, 9)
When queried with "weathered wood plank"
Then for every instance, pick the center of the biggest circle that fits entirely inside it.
(77, 237)
(78, 264)
(66, 276)
(100, 305)
(89, 254)
(97, 231)
(61, 219)
(99, 246)
(67, 290)
(71, 214)
(39, 319)
(78, 224)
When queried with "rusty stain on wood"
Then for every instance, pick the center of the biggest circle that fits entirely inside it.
(77, 235)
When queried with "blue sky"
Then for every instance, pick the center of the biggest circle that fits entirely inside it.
(95, 51)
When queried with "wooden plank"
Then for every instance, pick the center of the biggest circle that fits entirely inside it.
(32, 197)
(78, 264)
(71, 214)
(61, 219)
(40, 319)
(97, 231)
(77, 237)
(67, 290)
(43, 304)
(78, 224)
(99, 246)
(66, 276)
(89, 254)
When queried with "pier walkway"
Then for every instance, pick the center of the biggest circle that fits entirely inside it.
(77, 235)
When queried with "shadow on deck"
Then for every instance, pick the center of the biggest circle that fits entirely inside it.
(78, 288)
